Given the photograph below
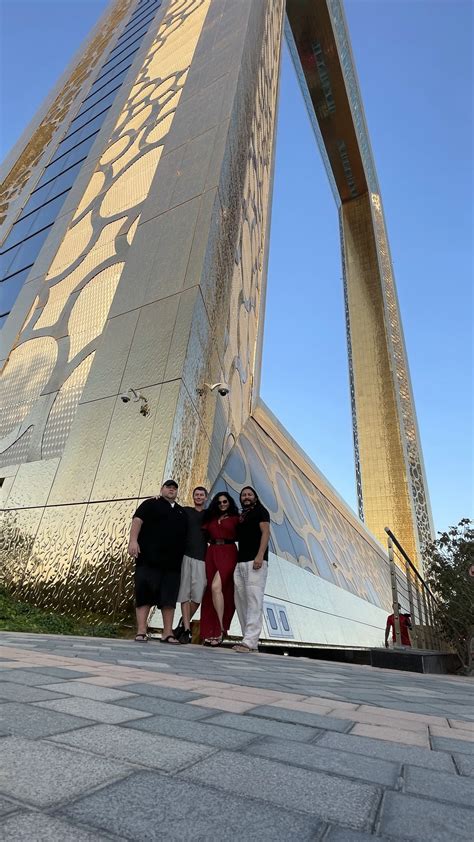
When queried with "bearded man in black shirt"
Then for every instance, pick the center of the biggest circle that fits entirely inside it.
(250, 576)
(157, 541)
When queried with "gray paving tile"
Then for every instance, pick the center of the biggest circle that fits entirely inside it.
(22, 693)
(198, 732)
(90, 691)
(406, 817)
(157, 751)
(28, 826)
(6, 806)
(327, 760)
(30, 677)
(169, 693)
(329, 797)
(61, 672)
(167, 708)
(342, 834)
(447, 744)
(153, 807)
(465, 763)
(439, 785)
(265, 727)
(387, 751)
(33, 721)
(298, 717)
(45, 774)
(97, 711)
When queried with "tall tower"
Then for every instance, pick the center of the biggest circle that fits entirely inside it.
(134, 249)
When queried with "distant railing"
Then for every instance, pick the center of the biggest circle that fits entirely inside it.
(410, 591)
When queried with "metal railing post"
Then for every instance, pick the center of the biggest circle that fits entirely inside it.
(413, 632)
(393, 579)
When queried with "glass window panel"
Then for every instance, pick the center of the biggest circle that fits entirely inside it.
(94, 96)
(27, 252)
(86, 114)
(77, 153)
(105, 86)
(19, 231)
(80, 135)
(10, 288)
(128, 50)
(53, 187)
(47, 213)
(108, 75)
(272, 619)
(129, 36)
(283, 620)
(133, 25)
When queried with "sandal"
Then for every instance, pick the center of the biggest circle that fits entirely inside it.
(217, 641)
(169, 639)
(242, 647)
(141, 638)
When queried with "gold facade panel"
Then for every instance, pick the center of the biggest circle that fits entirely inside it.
(80, 460)
(46, 581)
(150, 347)
(99, 576)
(63, 411)
(123, 458)
(111, 357)
(153, 474)
(90, 311)
(25, 375)
(32, 484)
(17, 532)
(73, 245)
(132, 185)
(382, 462)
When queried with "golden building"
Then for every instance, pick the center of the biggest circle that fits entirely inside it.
(135, 215)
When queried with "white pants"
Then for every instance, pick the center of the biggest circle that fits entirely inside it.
(249, 589)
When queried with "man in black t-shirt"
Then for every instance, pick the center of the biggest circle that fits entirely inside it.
(193, 568)
(157, 540)
(250, 576)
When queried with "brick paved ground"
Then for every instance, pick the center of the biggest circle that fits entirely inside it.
(105, 739)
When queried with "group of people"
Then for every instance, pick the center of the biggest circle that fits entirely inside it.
(213, 556)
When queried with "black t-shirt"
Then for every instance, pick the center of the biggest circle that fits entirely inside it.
(249, 533)
(196, 541)
(162, 535)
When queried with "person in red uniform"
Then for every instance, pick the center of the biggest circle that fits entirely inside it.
(220, 523)
(405, 625)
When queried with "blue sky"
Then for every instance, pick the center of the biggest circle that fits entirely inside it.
(414, 60)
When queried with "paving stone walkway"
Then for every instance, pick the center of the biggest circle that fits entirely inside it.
(106, 739)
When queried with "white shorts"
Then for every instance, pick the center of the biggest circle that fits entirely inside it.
(193, 580)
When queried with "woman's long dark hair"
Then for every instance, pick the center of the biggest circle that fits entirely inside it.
(213, 512)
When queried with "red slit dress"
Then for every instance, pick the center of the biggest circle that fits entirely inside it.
(222, 559)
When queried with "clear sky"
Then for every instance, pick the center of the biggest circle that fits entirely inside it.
(414, 60)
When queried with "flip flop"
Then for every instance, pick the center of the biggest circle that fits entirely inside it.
(141, 638)
(170, 639)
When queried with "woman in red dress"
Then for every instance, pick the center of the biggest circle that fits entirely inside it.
(217, 609)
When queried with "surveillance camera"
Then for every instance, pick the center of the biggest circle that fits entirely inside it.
(223, 389)
(125, 398)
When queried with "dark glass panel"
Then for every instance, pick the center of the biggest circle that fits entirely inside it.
(89, 110)
(19, 231)
(10, 288)
(24, 254)
(80, 138)
(119, 64)
(76, 153)
(3, 320)
(53, 187)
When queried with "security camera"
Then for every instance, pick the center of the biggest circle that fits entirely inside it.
(222, 388)
(133, 395)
